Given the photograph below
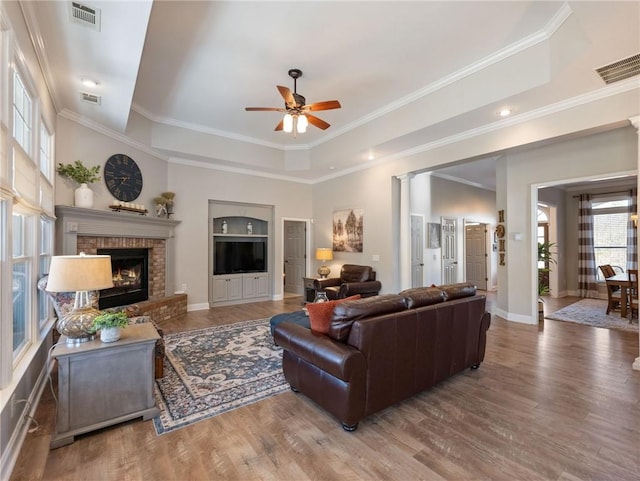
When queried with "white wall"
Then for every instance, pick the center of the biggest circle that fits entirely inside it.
(194, 187)
(602, 154)
(435, 197)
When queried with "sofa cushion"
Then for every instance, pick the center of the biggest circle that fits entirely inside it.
(320, 313)
(423, 296)
(344, 314)
(456, 291)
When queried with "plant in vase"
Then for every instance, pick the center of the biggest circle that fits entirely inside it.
(169, 196)
(82, 175)
(109, 325)
(545, 259)
(161, 206)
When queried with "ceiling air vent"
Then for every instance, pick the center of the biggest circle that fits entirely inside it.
(91, 98)
(620, 70)
(85, 15)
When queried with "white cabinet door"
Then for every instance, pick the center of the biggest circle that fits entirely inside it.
(255, 285)
(234, 289)
(227, 288)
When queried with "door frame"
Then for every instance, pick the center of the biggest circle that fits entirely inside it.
(279, 269)
(488, 250)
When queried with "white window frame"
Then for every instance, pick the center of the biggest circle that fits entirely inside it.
(598, 211)
(25, 256)
(24, 112)
(45, 155)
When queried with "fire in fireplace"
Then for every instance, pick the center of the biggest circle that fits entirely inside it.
(130, 269)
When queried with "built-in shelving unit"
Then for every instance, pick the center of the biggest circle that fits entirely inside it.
(240, 253)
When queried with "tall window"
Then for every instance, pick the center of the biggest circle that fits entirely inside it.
(44, 261)
(610, 219)
(21, 282)
(21, 114)
(45, 151)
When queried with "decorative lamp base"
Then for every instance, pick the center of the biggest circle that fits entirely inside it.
(324, 272)
(76, 325)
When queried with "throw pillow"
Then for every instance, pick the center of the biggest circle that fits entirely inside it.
(320, 313)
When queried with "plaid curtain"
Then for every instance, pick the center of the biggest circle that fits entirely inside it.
(586, 254)
(632, 232)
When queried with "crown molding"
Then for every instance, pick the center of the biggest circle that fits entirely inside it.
(97, 127)
(33, 28)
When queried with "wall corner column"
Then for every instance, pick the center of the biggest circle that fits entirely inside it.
(405, 230)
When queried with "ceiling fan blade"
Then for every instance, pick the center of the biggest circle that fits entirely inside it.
(264, 109)
(279, 126)
(321, 124)
(287, 96)
(326, 105)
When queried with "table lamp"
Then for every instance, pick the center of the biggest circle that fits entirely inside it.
(81, 273)
(324, 254)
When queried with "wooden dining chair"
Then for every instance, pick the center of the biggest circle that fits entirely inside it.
(633, 292)
(613, 292)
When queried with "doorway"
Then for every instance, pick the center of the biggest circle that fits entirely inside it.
(449, 250)
(417, 250)
(475, 254)
(295, 256)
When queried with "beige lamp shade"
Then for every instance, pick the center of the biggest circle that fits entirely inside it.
(324, 254)
(79, 273)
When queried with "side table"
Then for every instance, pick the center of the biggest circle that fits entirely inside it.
(101, 384)
(309, 288)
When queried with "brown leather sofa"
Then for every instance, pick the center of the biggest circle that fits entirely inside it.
(354, 279)
(384, 349)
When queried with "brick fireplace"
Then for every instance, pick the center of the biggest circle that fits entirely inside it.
(87, 230)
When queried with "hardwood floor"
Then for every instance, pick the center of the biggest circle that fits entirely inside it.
(556, 401)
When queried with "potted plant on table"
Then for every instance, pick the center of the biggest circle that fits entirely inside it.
(83, 175)
(109, 325)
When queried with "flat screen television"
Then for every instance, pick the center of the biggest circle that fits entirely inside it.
(240, 255)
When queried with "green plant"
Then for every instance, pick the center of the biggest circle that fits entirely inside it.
(544, 256)
(110, 319)
(79, 173)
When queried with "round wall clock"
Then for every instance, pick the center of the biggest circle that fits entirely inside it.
(123, 177)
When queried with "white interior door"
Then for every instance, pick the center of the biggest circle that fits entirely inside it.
(417, 251)
(475, 252)
(449, 250)
(294, 256)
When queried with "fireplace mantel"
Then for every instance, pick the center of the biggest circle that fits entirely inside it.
(72, 222)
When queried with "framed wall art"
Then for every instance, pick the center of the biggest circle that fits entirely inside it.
(433, 235)
(348, 230)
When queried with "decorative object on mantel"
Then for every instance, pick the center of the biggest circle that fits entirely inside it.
(164, 204)
(109, 325)
(79, 173)
(123, 177)
(121, 206)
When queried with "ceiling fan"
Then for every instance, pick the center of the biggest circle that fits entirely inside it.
(296, 111)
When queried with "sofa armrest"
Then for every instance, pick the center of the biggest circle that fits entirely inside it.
(321, 284)
(352, 288)
(336, 358)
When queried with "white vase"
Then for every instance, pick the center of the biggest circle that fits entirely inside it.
(109, 334)
(83, 197)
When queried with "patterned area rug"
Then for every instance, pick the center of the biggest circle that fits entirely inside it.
(592, 312)
(214, 370)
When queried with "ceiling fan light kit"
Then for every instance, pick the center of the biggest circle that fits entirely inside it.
(297, 116)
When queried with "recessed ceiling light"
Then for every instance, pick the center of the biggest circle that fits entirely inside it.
(371, 157)
(332, 167)
(505, 112)
(87, 82)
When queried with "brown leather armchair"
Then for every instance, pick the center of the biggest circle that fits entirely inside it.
(353, 280)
